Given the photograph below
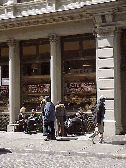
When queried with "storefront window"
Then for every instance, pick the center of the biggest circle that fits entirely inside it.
(29, 50)
(4, 51)
(79, 72)
(4, 76)
(36, 72)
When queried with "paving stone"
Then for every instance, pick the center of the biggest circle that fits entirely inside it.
(20, 150)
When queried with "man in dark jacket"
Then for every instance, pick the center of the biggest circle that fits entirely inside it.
(100, 111)
(61, 117)
(49, 118)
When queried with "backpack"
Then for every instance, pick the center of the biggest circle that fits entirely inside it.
(95, 110)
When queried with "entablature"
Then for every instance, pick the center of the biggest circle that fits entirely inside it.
(41, 12)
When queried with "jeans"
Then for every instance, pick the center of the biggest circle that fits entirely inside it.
(49, 129)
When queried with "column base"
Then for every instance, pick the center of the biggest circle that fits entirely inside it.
(109, 128)
(119, 130)
(11, 128)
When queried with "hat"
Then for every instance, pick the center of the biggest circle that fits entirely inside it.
(102, 97)
(46, 97)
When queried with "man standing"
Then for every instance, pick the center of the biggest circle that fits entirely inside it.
(98, 119)
(61, 118)
(49, 110)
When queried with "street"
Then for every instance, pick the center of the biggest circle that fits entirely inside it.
(19, 150)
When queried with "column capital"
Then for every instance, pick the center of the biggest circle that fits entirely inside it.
(104, 30)
(53, 37)
(95, 32)
(11, 42)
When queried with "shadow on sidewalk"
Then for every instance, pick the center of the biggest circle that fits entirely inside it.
(117, 142)
(4, 151)
(68, 138)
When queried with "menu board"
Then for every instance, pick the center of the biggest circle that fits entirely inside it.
(5, 81)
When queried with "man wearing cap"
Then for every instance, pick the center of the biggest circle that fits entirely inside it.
(49, 118)
(99, 120)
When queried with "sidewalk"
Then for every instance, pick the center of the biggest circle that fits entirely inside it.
(115, 147)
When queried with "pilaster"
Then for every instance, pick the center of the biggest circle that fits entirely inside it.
(105, 73)
(117, 80)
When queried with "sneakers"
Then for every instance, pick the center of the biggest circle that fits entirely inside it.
(102, 142)
(46, 139)
(91, 139)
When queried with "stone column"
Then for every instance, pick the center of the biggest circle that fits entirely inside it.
(53, 67)
(14, 80)
(117, 80)
(17, 80)
(58, 69)
(12, 44)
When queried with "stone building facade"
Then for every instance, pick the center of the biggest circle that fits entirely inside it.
(103, 21)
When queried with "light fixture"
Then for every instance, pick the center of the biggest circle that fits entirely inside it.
(86, 65)
(34, 66)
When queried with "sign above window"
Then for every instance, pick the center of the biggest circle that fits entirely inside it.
(5, 81)
(80, 71)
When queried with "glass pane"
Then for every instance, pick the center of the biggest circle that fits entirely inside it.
(4, 51)
(88, 44)
(71, 45)
(44, 48)
(29, 50)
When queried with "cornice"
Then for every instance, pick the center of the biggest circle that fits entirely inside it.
(104, 31)
(94, 12)
(43, 19)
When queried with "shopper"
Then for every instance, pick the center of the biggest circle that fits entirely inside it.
(22, 117)
(61, 118)
(49, 110)
(99, 116)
